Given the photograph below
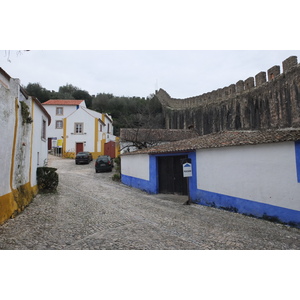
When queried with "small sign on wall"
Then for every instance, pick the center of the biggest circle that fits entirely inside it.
(187, 170)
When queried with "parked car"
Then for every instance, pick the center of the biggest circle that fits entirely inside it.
(103, 163)
(83, 157)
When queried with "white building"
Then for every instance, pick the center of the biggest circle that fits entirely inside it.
(24, 123)
(255, 173)
(58, 110)
(87, 130)
(76, 128)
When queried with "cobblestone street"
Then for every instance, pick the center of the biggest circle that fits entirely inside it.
(90, 211)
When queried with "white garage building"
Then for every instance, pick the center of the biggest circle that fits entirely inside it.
(255, 173)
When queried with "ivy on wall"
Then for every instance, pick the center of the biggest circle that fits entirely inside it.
(25, 113)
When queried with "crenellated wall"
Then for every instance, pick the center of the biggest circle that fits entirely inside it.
(270, 100)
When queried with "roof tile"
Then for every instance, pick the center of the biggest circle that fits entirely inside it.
(62, 102)
(226, 139)
(156, 135)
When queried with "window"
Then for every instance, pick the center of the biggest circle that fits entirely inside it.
(59, 111)
(78, 129)
(43, 136)
(59, 124)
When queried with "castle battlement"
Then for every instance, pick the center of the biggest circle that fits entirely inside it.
(231, 91)
(269, 100)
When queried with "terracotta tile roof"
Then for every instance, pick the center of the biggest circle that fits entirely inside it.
(62, 102)
(225, 139)
(155, 135)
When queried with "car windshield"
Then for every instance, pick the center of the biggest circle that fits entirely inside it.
(81, 154)
(103, 158)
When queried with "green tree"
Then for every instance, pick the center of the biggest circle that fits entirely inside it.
(67, 89)
(101, 102)
(65, 92)
(83, 95)
(70, 91)
(36, 90)
(127, 112)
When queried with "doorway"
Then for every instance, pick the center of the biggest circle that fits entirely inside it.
(49, 144)
(79, 147)
(170, 178)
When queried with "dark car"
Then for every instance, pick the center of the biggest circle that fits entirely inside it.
(83, 157)
(103, 163)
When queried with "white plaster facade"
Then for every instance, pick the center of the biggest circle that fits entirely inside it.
(88, 128)
(261, 180)
(264, 173)
(23, 145)
(9, 92)
(58, 110)
(39, 155)
(95, 129)
(136, 166)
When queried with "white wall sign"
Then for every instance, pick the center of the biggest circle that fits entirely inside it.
(187, 170)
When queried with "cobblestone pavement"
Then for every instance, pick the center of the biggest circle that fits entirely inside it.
(90, 211)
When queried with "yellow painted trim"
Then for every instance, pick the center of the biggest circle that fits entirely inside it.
(12, 166)
(102, 147)
(96, 136)
(7, 207)
(103, 141)
(14, 202)
(117, 147)
(69, 155)
(96, 154)
(35, 189)
(31, 142)
(64, 136)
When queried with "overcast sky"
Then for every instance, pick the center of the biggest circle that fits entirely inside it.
(182, 73)
(149, 25)
(137, 39)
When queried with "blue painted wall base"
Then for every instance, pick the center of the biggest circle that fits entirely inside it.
(202, 197)
(138, 183)
(248, 207)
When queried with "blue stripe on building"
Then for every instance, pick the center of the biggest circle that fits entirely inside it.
(247, 207)
(230, 203)
(144, 185)
(297, 152)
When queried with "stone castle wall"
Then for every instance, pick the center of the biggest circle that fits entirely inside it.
(270, 100)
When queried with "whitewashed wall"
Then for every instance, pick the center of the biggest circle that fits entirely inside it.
(20, 142)
(262, 173)
(136, 166)
(80, 116)
(8, 94)
(22, 147)
(67, 110)
(39, 145)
